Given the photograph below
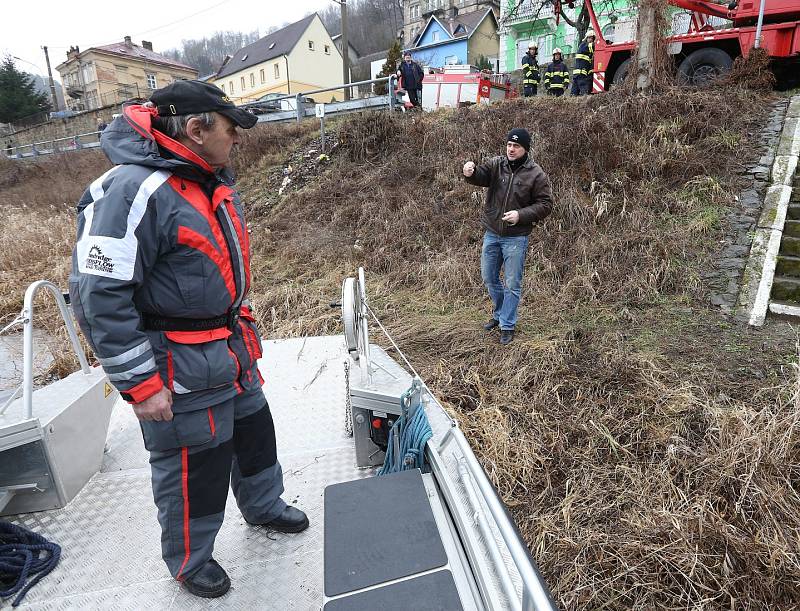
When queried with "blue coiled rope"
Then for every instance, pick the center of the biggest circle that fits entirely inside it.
(25, 557)
(413, 433)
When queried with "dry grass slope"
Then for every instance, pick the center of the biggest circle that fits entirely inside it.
(647, 446)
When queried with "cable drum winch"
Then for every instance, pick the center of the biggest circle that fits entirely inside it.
(376, 382)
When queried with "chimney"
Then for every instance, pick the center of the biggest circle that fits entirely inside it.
(147, 45)
(128, 42)
(73, 52)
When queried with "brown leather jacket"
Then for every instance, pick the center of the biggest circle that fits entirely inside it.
(527, 190)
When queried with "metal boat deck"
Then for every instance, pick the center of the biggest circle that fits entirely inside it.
(109, 534)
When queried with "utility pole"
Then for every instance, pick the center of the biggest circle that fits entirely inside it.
(52, 83)
(345, 50)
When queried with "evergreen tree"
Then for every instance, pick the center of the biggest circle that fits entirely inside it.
(393, 57)
(18, 95)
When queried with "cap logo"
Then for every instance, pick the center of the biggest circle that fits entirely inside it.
(172, 109)
(226, 99)
(515, 137)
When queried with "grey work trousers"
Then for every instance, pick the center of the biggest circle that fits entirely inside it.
(193, 460)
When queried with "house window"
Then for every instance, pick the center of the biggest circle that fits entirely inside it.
(252, 80)
(277, 68)
(241, 79)
(451, 60)
(310, 45)
(327, 50)
(230, 84)
(263, 76)
(435, 36)
(151, 81)
(415, 11)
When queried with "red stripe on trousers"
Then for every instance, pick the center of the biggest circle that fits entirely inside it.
(185, 485)
(189, 237)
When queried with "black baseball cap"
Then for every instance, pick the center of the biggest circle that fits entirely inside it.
(190, 97)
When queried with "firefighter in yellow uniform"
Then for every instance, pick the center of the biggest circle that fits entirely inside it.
(584, 62)
(530, 71)
(556, 77)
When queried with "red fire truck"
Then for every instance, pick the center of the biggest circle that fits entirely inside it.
(704, 52)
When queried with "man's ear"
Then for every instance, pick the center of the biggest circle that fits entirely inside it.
(194, 130)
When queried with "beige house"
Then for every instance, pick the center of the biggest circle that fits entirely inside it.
(298, 58)
(113, 73)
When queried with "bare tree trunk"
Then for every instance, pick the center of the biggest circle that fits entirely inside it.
(647, 35)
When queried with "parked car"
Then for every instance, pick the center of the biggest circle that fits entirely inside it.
(275, 102)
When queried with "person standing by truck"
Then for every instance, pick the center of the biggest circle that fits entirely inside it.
(556, 77)
(412, 74)
(530, 71)
(584, 62)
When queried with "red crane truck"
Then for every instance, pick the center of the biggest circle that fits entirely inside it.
(704, 52)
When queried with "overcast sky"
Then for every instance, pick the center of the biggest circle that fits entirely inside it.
(27, 25)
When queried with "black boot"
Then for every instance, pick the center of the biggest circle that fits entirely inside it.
(210, 581)
(291, 520)
(506, 336)
(491, 324)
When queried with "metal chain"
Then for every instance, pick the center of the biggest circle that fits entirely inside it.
(348, 408)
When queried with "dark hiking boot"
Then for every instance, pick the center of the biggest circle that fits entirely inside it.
(210, 581)
(506, 336)
(291, 520)
(492, 324)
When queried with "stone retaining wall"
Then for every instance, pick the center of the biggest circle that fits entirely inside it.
(61, 128)
(730, 261)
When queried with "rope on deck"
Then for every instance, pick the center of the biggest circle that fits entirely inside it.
(413, 430)
(25, 557)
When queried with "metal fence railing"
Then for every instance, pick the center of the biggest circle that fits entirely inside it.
(53, 145)
(300, 105)
(294, 107)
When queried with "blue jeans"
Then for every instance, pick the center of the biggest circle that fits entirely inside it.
(508, 253)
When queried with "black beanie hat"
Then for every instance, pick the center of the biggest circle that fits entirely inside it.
(520, 136)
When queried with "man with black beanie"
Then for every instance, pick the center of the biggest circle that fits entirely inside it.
(519, 195)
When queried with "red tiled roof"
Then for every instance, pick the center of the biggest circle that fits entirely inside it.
(134, 51)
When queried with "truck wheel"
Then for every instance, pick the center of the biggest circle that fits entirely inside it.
(701, 67)
(622, 72)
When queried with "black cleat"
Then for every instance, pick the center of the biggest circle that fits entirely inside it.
(492, 324)
(506, 336)
(210, 581)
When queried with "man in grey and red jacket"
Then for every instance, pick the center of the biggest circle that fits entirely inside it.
(519, 196)
(159, 284)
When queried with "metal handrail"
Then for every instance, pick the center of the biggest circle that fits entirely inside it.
(300, 109)
(483, 525)
(26, 318)
(16, 149)
(292, 96)
(535, 593)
